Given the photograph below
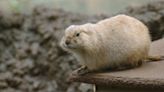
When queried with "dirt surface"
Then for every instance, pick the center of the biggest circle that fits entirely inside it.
(30, 57)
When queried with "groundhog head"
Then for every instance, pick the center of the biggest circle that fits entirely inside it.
(77, 37)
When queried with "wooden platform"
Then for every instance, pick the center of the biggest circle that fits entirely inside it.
(150, 76)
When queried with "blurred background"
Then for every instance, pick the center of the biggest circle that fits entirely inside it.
(77, 6)
(31, 59)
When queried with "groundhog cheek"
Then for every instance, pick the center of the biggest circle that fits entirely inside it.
(75, 41)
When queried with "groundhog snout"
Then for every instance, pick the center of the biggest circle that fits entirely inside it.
(67, 42)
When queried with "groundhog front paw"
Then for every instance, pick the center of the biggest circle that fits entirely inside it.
(81, 71)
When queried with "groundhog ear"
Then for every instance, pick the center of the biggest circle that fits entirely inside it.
(89, 30)
(70, 28)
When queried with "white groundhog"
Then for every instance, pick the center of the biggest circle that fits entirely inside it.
(120, 41)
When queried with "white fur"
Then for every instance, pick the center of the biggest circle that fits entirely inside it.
(110, 42)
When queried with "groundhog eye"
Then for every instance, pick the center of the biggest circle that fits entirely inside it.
(77, 34)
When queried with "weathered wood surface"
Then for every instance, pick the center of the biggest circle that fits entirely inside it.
(149, 76)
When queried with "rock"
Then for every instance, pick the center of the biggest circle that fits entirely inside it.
(14, 82)
(18, 72)
(6, 75)
(85, 87)
(3, 85)
(34, 48)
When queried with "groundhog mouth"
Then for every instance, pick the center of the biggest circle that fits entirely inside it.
(70, 46)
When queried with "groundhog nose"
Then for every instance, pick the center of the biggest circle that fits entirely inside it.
(67, 42)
